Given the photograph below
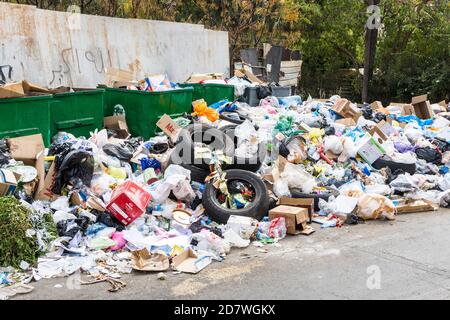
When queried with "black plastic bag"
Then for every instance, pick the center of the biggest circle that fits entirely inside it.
(442, 145)
(367, 112)
(378, 117)
(429, 155)
(75, 168)
(4, 152)
(109, 220)
(121, 152)
(263, 92)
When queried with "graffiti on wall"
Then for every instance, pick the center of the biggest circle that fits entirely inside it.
(75, 61)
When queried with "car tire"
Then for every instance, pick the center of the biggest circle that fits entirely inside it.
(256, 210)
(190, 134)
(252, 164)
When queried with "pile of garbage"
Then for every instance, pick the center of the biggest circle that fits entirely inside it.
(225, 176)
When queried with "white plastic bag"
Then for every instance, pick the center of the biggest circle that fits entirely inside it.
(298, 178)
(333, 144)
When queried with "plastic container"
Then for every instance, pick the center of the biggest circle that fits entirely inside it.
(211, 92)
(251, 96)
(78, 113)
(281, 92)
(143, 109)
(25, 116)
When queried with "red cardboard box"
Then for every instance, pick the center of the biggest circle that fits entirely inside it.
(128, 202)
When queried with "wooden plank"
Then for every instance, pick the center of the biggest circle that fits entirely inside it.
(290, 64)
(292, 82)
(289, 76)
(291, 69)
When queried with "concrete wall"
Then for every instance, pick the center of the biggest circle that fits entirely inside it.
(53, 48)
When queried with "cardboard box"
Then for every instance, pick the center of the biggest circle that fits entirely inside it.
(408, 110)
(371, 150)
(422, 107)
(443, 104)
(345, 109)
(307, 203)
(12, 90)
(376, 105)
(30, 150)
(46, 192)
(383, 130)
(118, 124)
(128, 202)
(348, 122)
(8, 182)
(169, 127)
(295, 217)
(190, 262)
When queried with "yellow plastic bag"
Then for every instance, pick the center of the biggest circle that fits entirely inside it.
(201, 110)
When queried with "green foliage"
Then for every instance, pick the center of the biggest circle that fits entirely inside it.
(15, 245)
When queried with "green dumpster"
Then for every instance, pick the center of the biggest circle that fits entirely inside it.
(78, 113)
(211, 92)
(143, 109)
(25, 116)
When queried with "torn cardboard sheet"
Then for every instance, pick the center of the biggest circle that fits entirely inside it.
(143, 260)
(169, 127)
(190, 262)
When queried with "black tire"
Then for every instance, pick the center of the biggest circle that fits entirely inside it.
(394, 166)
(298, 194)
(252, 164)
(205, 134)
(257, 209)
(226, 116)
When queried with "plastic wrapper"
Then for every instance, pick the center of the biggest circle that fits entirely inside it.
(381, 189)
(209, 242)
(275, 229)
(235, 239)
(445, 199)
(444, 183)
(298, 178)
(281, 188)
(374, 206)
(333, 144)
(404, 183)
(352, 189)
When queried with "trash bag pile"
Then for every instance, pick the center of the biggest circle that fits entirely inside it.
(184, 198)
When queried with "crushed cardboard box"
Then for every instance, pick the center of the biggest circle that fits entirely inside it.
(143, 260)
(30, 150)
(118, 124)
(296, 219)
(422, 107)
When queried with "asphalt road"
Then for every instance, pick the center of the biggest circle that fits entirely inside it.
(405, 259)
